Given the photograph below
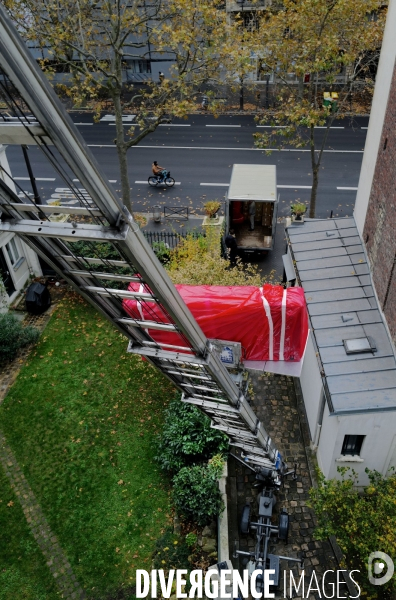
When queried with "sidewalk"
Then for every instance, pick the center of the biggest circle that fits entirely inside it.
(276, 405)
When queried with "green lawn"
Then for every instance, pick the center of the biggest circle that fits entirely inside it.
(23, 572)
(82, 419)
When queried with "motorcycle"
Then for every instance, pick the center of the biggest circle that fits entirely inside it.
(162, 179)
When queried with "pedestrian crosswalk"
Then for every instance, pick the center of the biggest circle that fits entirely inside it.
(66, 197)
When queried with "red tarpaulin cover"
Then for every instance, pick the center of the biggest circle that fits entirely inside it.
(270, 322)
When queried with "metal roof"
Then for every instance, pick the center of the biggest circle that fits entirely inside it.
(332, 268)
(253, 182)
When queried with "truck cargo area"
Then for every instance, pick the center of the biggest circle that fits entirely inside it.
(252, 189)
(259, 238)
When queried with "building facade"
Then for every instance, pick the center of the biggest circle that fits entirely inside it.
(347, 268)
(18, 262)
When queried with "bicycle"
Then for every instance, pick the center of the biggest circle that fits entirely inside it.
(166, 180)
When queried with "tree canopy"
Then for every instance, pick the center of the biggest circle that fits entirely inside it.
(361, 522)
(95, 40)
(306, 45)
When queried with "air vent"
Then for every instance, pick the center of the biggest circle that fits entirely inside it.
(359, 345)
(347, 317)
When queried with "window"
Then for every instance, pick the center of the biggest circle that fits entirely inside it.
(352, 445)
(359, 345)
(13, 252)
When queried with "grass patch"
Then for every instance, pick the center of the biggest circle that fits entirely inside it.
(81, 420)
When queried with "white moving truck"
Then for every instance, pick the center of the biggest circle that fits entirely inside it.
(255, 183)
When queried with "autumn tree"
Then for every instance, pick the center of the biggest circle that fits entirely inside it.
(94, 40)
(361, 522)
(314, 41)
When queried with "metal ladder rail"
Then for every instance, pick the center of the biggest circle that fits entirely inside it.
(183, 378)
(124, 233)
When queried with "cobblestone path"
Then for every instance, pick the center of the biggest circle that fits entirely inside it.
(275, 404)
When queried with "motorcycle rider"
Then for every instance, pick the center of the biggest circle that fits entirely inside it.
(158, 171)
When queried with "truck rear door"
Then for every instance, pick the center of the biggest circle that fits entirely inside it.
(274, 222)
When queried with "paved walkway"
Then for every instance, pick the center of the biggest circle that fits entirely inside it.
(276, 405)
(48, 543)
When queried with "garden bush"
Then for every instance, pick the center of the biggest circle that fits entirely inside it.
(196, 493)
(187, 437)
(14, 336)
(171, 552)
(192, 263)
(361, 522)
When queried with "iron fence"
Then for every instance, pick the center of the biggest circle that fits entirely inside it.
(172, 239)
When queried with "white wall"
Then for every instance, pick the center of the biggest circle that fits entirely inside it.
(30, 265)
(328, 444)
(378, 446)
(311, 385)
(380, 99)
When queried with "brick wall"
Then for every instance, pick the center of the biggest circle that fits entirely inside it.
(379, 232)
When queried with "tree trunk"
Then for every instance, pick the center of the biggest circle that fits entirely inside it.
(315, 174)
(315, 181)
(301, 87)
(122, 153)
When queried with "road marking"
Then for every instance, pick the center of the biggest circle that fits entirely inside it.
(283, 126)
(173, 125)
(36, 178)
(218, 148)
(111, 118)
(364, 128)
(222, 125)
(83, 123)
(346, 188)
(296, 187)
(66, 196)
(124, 124)
(110, 180)
(176, 182)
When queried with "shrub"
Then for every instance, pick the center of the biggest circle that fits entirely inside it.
(14, 336)
(196, 493)
(361, 523)
(187, 437)
(171, 552)
(191, 539)
(192, 264)
(161, 250)
(298, 208)
(211, 207)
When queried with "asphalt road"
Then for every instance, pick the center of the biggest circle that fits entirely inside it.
(200, 153)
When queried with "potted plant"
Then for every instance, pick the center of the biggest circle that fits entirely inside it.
(55, 203)
(298, 209)
(211, 208)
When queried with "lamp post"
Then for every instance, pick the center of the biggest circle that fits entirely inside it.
(241, 4)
